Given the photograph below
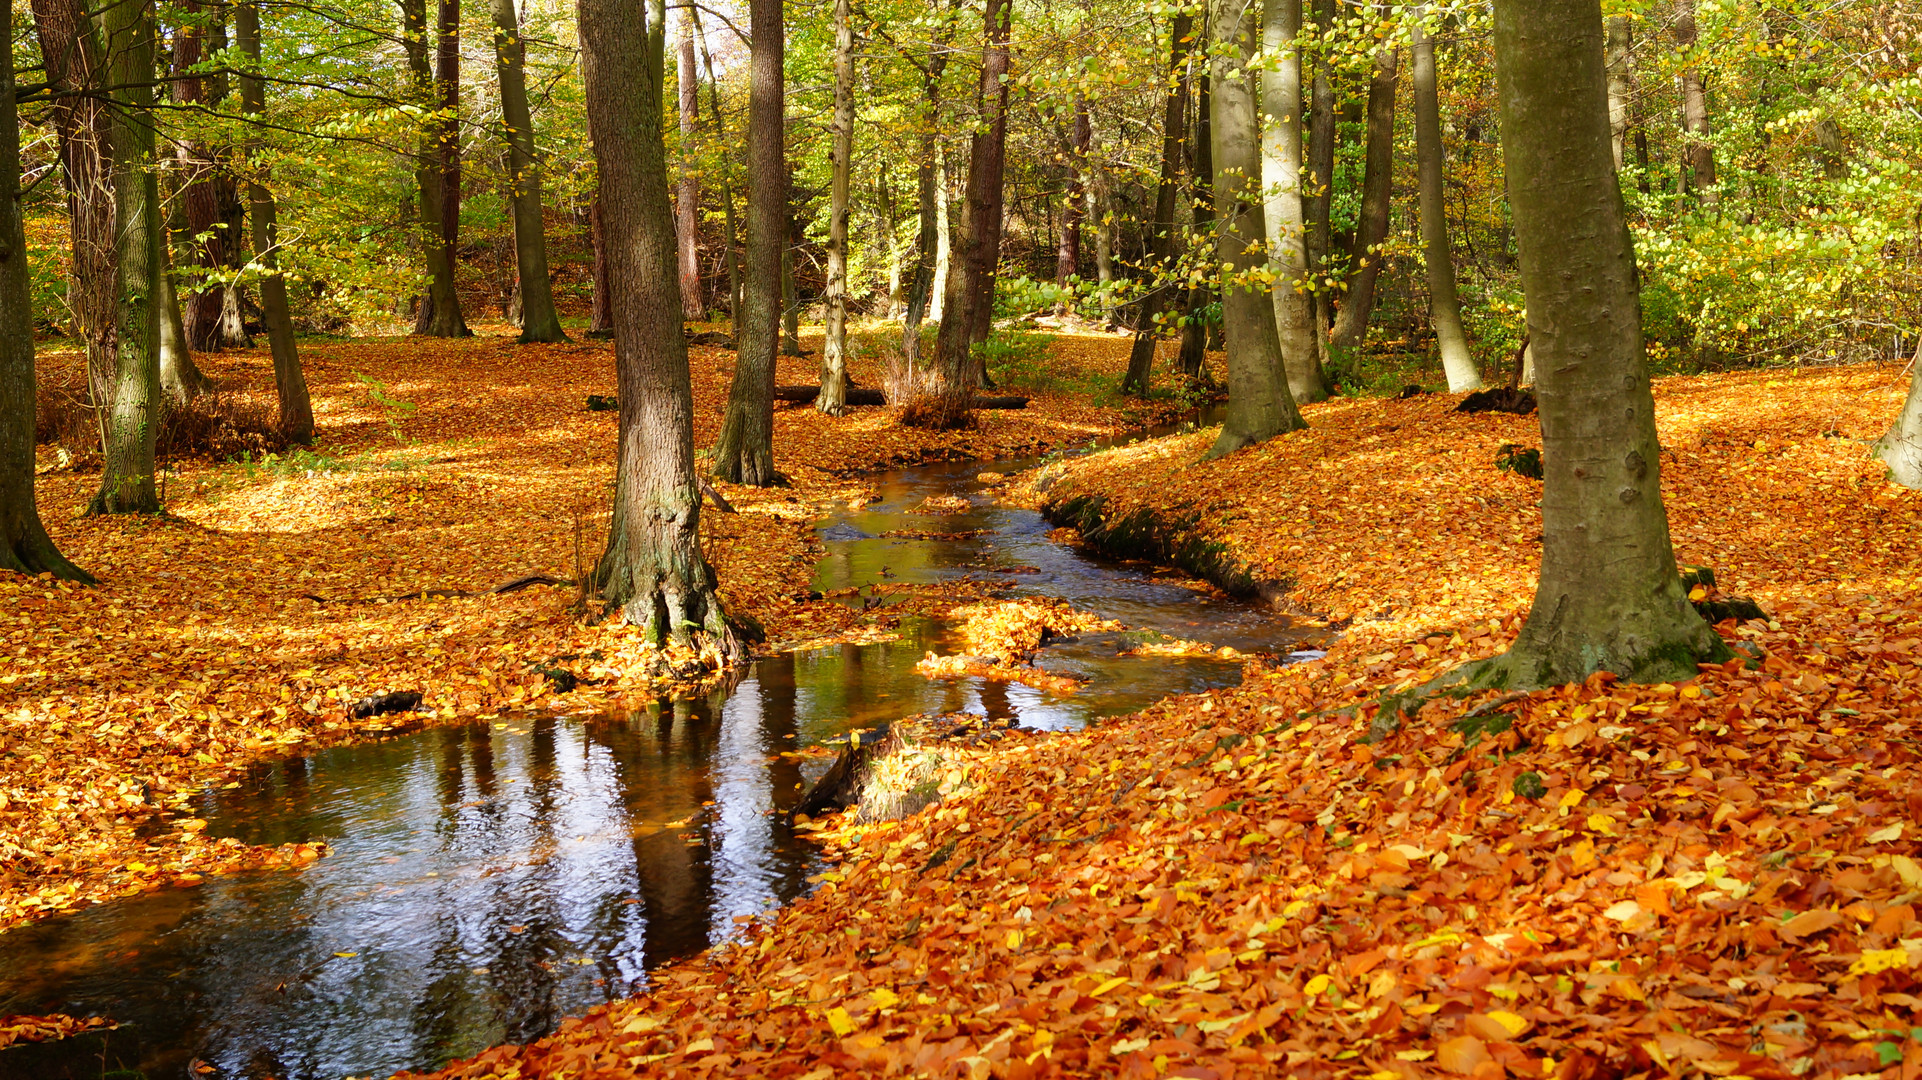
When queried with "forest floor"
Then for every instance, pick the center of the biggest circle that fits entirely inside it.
(1713, 878)
(276, 592)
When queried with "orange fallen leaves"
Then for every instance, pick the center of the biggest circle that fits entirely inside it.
(32, 1029)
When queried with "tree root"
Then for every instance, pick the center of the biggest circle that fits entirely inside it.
(515, 585)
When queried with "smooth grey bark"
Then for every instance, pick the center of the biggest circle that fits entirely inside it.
(1609, 597)
(1377, 193)
(539, 321)
(181, 380)
(927, 278)
(1444, 303)
(1900, 448)
(834, 352)
(439, 314)
(687, 197)
(1101, 215)
(731, 252)
(290, 383)
(1697, 151)
(25, 546)
(943, 230)
(1318, 206)
(1161, 231)
(1617, 60)
(653, 570)
(1259, 403)
(1067, 252)
(447, 81)
(744, 453)
(1282, 196)
(970, 291)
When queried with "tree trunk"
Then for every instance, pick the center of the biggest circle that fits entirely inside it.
(539, 321)
(1901, 447)
(1695, 126)
(1194, 332)
(1161, 232)
(1617, 59)
(1259, 404)
(931, 205)
(1101, 216)
(603, 289)
(290, 383)
(201, 197)
(133, 404)
(181, 380)
(943, 231)
(1444, 305)
(1067, 253)
(687, 200)
(1609, 597)
(652, 570)
(834, 364)
(745, 451)
(1377, 193)
(1282, 195)
(1319, 204)
(447, 80)
(439, 314)
(732, 256)
(25, 546)
(970, 295)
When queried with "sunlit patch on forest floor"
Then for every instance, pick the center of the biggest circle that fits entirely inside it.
(1713, 878)
(249, 620)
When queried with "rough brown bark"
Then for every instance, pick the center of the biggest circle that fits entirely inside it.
(731, 252)
(1377, 192)
(447, 81)
(539, 321)
(1259, 404)
(25, 546)
(207, 195)
(834, 365)
(1067, 253)
(1695, 123)
(1281, 169)
(603, 321)
(290, 383)
(439, 314)
(1609, 597)
(1194, 332)
(687, 196)
(970, 290)
(1161, 232)
(1318, 203)
(652, 570)
(745, 452)
(1444, 303)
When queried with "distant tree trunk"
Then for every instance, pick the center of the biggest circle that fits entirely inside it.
(1444, 305)
(181, 380)
(25, 546)
(1318, 206)
(447, 80)
(1161, 231)
(1281, 180)
(943, 232)
(732, 256)
(931, 205)
(539, 321)
(1259, 404)
(1695, 125)
(1617, 60)
(652, 570)
(133, 404)
(202, 197)
(790, 295)
(439, 314)
(1101, 217)
(834, 357)
(70, 44)
(745, 452)
(972, 286)
(1900, 448)
(687, 200)
(1194, 333)
(1609, 597)
(1377, 192)
(290, 383)
(886, 226)
(603, 288)
(1067, 253)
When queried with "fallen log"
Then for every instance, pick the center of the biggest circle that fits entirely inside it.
(801, 395)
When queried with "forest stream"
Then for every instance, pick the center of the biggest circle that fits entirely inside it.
(490, 879)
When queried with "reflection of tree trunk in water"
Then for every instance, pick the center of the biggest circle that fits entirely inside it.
(673, 879)
(994, 699)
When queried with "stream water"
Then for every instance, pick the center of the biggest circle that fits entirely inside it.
(490, 879)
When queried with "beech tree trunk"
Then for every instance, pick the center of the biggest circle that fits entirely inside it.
(1609, 597)
(652, 571)
(732, 254)
(439, 314)
(206, 193)
(25, 546)
(943, 231)
(1067, 252)
(1901, 447)
(1697, 151)
(1194, 332)
(1161, 231)
(1617, 60)
(290, 383)
(1377, 193)
(447, 81)
(603, 321)
(745, 452)
(539, 321)
(970, 294)
(181, 380)
(931, 205)
(1259, 403)
(1444, 304)
(1282, 195)
(687, 199)
(834, 352)
(1318, 206)
(790, 295)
